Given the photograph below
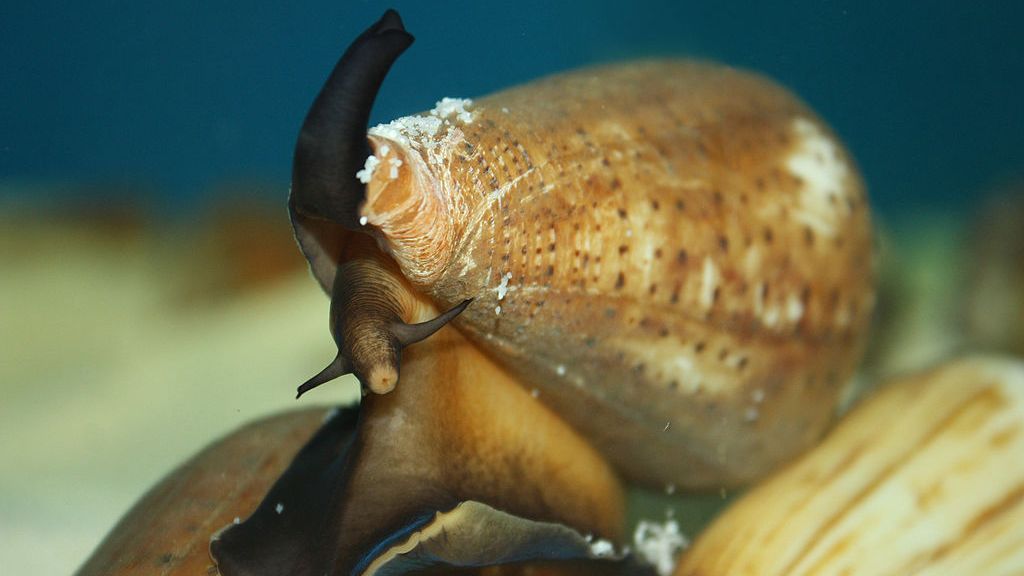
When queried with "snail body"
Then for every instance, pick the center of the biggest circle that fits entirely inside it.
(675, 254)
(458, 431)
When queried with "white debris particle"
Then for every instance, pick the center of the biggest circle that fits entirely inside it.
(497, 310)
(402, 129)
(395, 164)
(752, 261)
(759, 298)
(602, 548)
(505, 110)
(751, 414)
(366, 174)
(445, 107)
(535, 393)
(503, 287)
(363, 220)
(670, 489)
(794, 308)
(629, 232)
(667, 426)
(279, 508)
(757, 396)
(237, 521)
(390, 131)
(560, 369)
(426, 125)
(659, 544)
(709, 281)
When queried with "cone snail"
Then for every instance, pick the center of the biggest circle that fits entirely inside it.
(656, 271)
(677, 255)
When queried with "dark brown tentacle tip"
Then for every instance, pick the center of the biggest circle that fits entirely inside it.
(337, 368)
(407, 334)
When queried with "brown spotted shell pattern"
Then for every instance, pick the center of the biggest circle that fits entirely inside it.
(676, 256)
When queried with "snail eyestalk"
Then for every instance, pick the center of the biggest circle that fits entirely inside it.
(332, 144)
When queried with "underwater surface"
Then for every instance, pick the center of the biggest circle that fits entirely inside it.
(152, 298)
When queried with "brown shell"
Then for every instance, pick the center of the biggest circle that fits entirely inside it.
(168, 531)
(926, 477)
(676, 254)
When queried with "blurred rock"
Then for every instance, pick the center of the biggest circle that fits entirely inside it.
(993, 306)
(916, 319)
(241, 242)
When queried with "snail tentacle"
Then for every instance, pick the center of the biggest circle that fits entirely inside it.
(408, 334)
(332, 144)
(336, 369)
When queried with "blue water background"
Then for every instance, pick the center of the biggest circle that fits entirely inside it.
(180, 96)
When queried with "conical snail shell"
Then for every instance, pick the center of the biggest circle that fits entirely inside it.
(676, 254)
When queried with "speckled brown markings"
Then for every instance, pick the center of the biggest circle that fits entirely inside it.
(707, 201)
